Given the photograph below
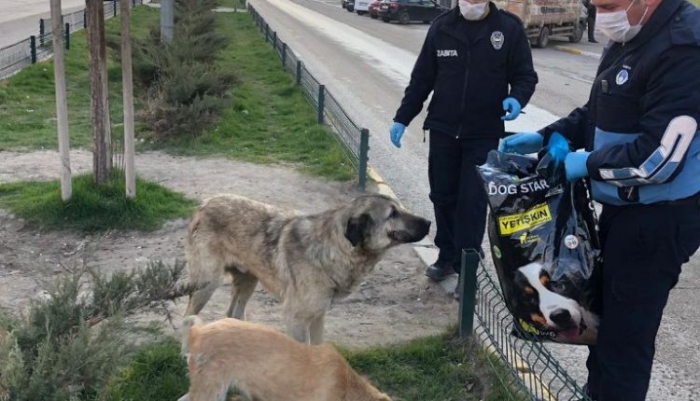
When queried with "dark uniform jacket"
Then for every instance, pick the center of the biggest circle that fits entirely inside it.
(468, 66)
(640, 87)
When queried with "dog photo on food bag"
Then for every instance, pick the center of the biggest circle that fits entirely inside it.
(306, 261)
(542, 231)
(550, 306)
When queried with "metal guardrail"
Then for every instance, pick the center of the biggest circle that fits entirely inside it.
(530, 368)
(36, 48)
(353, 139)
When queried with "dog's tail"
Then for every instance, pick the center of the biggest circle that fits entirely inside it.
(187, 324)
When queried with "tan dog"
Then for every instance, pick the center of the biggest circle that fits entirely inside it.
(265, 365)
(306, 261)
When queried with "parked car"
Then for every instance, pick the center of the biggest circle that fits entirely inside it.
(374, 9)
(362, 6)
(349, 5)
(406, 11)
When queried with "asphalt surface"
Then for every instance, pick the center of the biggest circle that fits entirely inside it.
(366, 65)
(19, 19)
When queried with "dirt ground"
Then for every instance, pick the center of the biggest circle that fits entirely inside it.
(396, 302)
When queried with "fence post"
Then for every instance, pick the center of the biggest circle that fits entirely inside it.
(364, 158)
(284, 54)
(321, 102)
(298, 72)
(67, 35)
(84, 19)
(467, 299)
(114, 7)
(32, 45)
(267, 32)
(42, 31)
(274, 40)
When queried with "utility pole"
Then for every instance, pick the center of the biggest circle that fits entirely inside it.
(61, 102)
(167, 19)
(102, 155)
(128, 95)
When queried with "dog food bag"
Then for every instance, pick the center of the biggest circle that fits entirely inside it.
(545, 247)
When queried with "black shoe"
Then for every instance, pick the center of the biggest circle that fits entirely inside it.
(439, 272)
(592, 41)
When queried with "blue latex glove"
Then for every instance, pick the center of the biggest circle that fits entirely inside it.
(396, 132)
(522, 143)
(558, 147)
(512, 108)
(575, 164)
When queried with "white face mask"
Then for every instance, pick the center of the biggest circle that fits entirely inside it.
(472, 12)
(616, 25)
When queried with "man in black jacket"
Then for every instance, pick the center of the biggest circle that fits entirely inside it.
(640, 133)
(476, 60)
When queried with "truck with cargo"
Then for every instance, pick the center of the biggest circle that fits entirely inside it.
(543, 19)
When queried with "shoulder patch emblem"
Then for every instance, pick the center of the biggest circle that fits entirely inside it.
(622, 77)
(497, 40)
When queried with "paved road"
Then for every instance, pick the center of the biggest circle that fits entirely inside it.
(366, 64)
(20, 18)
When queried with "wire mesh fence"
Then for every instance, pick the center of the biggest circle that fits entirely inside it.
(353, 139)
(522, 362)
(15, 57)
(39, 47)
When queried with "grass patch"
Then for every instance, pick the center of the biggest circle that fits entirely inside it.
(269, 120)
(93, 207)
(436, 368)
(157, 372)
(426, 369)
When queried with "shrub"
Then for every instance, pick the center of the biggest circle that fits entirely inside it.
(184, 87)
(70, 343)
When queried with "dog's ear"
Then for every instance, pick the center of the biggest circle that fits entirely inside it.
(357, 227)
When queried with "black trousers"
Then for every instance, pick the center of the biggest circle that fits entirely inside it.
(643, 250)
(457, 194)
(591, 23)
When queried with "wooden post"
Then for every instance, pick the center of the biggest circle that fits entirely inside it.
(128, 94)
(98, 91)
(61, 103)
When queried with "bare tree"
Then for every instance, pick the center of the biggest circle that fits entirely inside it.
(102, 153)
(128, 95)
(61, 102)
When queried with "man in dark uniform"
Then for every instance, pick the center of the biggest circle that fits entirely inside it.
(642, 153)
(590, 8)
(476, 60)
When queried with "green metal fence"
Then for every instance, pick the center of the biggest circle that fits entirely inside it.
(353, 139)
(16, 56)
(532, 371)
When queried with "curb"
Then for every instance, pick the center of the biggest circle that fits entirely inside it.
(381, 186)
(573, 50)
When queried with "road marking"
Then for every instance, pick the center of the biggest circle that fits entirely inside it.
(577, 52)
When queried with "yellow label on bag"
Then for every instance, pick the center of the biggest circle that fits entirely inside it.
(513, 223)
